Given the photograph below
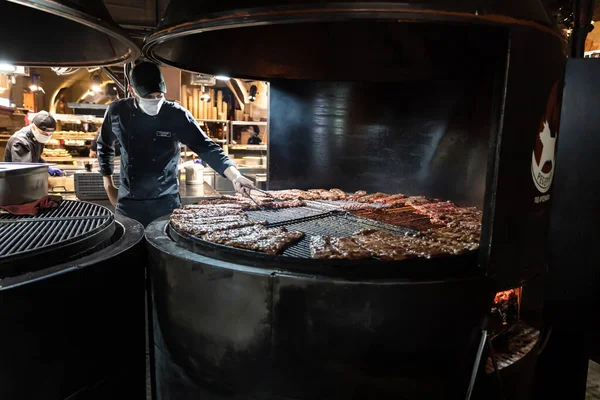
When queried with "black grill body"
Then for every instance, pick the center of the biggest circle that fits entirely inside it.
(452, 100)
(241, 329)
(76, 329)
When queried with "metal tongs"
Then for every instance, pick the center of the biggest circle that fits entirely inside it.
(254, 201)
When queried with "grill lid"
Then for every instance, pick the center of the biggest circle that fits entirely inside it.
(53, 236)
(73, 33)
(332, 40)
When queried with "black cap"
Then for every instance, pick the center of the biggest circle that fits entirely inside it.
(147, 78)
(44, 121)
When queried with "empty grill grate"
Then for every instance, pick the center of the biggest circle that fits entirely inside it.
(277, 216)
(56, 234)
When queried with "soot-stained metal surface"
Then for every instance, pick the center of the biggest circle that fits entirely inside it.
(330, 40)
(72, 33)
(248, 331)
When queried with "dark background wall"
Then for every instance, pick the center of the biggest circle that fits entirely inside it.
(415, 118)
(418, 137)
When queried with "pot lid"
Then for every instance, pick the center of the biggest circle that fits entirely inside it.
(73, 33)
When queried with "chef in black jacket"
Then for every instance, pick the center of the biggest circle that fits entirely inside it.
(27, 144)
(150, 130)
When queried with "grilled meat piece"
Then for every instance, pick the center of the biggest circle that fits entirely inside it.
(195, 228)
(205, 203)
(357, 195)
(401, 216)
(271, 244)
(320, 247)
(195, 213)
(204, 220)
(339, 194)
(370, 198)
(361, 206)
(266, 240)
(417, 200)
(293, 194)
(326, 247)
(348, 249)
(222, 237)
(391, 199)
(324, 194)
(276, 205)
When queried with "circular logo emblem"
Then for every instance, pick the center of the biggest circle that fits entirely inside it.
(544, 152)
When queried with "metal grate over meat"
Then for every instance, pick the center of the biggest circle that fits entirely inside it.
(315, 222)
(23, 237)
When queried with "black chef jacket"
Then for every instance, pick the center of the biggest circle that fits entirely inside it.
(22, 147)
(150, 151)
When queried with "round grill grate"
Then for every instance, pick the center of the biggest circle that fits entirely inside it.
(53, 236)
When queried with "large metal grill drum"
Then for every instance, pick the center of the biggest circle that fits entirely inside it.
(442, 99)
(265, 326)
(71, 305)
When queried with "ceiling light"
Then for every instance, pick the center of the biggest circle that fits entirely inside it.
(96, 85)
(7, 68)
(36, 85)
(205, 96)
(222, 78)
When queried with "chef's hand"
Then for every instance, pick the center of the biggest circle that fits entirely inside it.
(241, 184)
(111, 190)
(55, 172)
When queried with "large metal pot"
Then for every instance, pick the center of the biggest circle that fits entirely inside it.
(22, 183)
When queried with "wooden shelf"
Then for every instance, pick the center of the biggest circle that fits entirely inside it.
(222, 121)
(248, 147)
(258, 123)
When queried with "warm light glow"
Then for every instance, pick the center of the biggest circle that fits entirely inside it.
(222, 78)
(96, 88)
(7, 68)
(36, 88)
(504, 298)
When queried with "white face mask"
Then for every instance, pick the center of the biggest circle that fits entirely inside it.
(151, 106)
(40, 137)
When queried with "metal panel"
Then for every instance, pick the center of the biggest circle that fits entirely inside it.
(515, 228)
(424, 133)
(573, 299)
(75, 33)
(227, 330)
(347, 39)
(76, 330)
